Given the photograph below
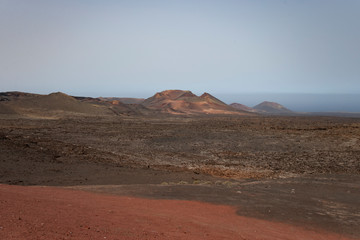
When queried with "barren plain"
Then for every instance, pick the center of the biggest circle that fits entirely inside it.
(301, 172)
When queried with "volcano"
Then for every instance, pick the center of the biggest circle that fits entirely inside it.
(185, 102)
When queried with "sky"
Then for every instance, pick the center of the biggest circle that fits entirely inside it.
(237, 49)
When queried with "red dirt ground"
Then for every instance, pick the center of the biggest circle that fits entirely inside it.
(55, 213)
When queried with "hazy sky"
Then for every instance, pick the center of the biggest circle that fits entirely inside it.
(136, 48)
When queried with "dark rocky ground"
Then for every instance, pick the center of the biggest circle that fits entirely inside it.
(300, 170)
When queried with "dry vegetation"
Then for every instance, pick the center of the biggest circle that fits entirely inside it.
(228, 147)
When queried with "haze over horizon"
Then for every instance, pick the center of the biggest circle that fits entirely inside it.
(302, 54)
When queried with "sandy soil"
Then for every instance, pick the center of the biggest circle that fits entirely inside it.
(232, 147)
(282, 177)
(52, 213)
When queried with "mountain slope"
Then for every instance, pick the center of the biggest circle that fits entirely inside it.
(60, 102)
(54, 104)
(242, 107)
(123, 100)
(5, 109)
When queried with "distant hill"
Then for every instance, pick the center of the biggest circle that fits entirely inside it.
(60, 104)
(185, 102)
(52, 104)
(271, 108)
(242, 107)
(115, 106)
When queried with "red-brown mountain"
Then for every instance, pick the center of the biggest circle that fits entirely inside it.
(185, 102)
